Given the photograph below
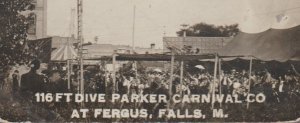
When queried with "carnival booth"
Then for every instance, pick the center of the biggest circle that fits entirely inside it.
(65, 55)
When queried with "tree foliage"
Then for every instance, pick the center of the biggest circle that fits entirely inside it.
(13, 29)
(210, 30)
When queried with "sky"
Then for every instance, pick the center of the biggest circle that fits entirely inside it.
(112, 20)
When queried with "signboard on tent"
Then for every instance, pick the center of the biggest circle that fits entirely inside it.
(109, 67)
(195, 45)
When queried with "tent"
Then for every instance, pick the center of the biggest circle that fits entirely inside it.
(63, 53)
(272, 44)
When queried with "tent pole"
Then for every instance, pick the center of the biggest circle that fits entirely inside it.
(105, 74)
(78, 78)
(249, 86)
(115, 78)
(69, 77)
(81, 76)
(136, 69)
(214, 81)
(220, 83)
(114, 72)
(171, 76)
(71, 68)
(294, 69)
(181, 77)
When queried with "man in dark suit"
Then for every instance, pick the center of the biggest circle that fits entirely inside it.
(32, 82)
(15, 85)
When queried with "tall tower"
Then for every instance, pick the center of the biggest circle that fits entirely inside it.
(80, 42)
(38, 20)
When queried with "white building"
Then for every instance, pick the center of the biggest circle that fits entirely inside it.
(38, 22)
(195, 45)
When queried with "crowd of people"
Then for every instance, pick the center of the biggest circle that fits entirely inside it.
(278, 89)
(233, 82)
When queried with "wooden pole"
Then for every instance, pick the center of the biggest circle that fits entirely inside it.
(133, 30)
(114, 72)
(214, 81)
(115, 78)
(220, 83)
(171, 76)
(136, 69)
(71, 68)
(81, 76)
(182, 63)
(78, 78)
(249, 86)
(181, 77)
(69, 76)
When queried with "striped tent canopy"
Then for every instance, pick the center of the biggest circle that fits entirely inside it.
(63, 53)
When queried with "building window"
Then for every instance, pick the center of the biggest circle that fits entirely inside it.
(31, 24)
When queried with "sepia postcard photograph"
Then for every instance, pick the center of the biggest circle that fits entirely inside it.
(150, 61)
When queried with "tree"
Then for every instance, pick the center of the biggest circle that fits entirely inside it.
(210, 30)
(204, 30)
(13, 30)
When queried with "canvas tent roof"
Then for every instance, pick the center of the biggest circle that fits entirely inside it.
(63, 53)
(273, 44)
(158, 57)
(161, 57)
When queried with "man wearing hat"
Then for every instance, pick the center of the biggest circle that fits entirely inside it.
(32, 82)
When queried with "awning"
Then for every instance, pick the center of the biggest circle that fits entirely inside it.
(63, 53)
